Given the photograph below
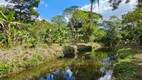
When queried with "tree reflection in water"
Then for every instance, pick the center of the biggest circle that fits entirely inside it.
(58, 75)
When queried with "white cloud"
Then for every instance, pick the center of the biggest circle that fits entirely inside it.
(3, 2)
(39, 18)
(34, 8)
(106, 10)
(46, 5)
(43, 3)
(67, 19)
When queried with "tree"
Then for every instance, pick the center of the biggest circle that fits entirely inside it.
(91, 10)
(24, 9)
(133, 23)
(133, 17)
(59, 20)
(113, 27)
(80, 22)
(99, 35)
(115, 3)
(68, 13)
(6, 22)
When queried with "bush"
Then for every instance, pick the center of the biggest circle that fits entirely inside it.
(83, 48)
(69, 51)
(4, 68)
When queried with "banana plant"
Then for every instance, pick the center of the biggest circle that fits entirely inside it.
(2, 20)
(6, 21)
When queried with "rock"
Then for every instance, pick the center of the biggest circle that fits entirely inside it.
(69, 52)
(84, 48)
(73, 51)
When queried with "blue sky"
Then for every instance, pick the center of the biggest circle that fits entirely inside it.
(50, 8)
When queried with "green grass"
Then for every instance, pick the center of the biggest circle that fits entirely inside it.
(4, 68)
(99, 55)
(128, 58)
(124, 69)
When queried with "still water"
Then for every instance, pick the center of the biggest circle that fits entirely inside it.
(97, 68)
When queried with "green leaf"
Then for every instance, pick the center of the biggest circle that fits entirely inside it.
(2, 16)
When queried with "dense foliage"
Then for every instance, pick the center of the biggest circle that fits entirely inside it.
(81, 26)
(36, 41)
(24, 9)
(115, 3)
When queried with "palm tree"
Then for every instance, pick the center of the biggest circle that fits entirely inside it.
(91, 10)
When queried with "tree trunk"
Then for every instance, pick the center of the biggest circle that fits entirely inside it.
(9, 30)
(91, 13)
(73, 34)
(8, 35)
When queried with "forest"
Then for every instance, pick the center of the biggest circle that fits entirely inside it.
(27, 43)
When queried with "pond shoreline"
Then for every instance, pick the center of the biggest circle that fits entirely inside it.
(19, 59)
(124, 60)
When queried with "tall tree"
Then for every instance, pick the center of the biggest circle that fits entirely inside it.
(133, 20)
(59, 20)
(80, 22)
(91, 10)
(68, 13)
(24, 9)
(113, 27)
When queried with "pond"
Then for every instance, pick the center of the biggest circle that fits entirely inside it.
(97, 67)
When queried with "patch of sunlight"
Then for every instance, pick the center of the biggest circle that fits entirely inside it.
(129, 58)
(124, 49)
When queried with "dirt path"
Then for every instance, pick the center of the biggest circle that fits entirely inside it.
(137, 63)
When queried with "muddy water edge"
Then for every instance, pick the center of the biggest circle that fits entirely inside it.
(91, 66)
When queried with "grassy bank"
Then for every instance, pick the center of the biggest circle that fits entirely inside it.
(21, 58)
(17, 59)
(129, 64)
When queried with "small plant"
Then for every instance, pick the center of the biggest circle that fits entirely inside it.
(31, 63)
(124, 71)
(98, 55)
(83, 58)
(4, 68)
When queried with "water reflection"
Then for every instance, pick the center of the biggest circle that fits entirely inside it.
(108, 73)
(58, 75)
(107, 76)
(86, 70)
(78, 69)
